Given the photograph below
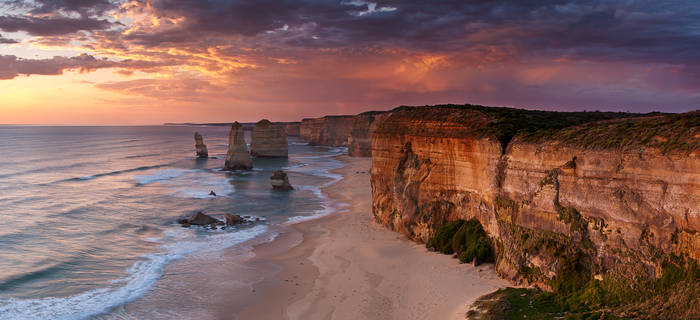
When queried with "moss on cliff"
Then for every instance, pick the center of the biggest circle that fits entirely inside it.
(672, 296)
(466, 239)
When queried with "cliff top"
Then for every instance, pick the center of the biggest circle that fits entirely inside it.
(589, 129)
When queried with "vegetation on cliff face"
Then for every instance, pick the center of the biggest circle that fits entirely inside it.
(466, 239)
(673, 296)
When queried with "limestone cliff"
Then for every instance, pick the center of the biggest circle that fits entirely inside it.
(360, 138)
(268, 140)
(237, 157)
(199, 146)
(327, 131)
(292, 128)
(610, 197)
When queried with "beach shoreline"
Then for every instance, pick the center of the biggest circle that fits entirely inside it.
(347, 266)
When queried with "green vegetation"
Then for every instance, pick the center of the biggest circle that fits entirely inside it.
(466, 239)
(594, 129)
(512, 122)
(672, 296)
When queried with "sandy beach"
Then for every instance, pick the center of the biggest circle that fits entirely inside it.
(349, 267)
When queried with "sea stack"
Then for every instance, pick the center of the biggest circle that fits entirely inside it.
(237, 157)
(200, 146)
(280, 181)
(268, 140)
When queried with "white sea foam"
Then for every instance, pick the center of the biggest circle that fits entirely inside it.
(142, 275)
(185, 183)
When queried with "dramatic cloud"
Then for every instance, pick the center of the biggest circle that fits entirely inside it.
(357, 54)
(12, 66)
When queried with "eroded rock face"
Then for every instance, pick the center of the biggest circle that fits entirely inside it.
(237, 157)
(360, 138)
(200, 147)
(268, 140)
(280, 181)
(292, 128)
(618, 211)
(327, 131)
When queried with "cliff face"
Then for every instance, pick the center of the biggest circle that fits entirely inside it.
(237, 156)
(360, 138)
(292, 128)
(327, 131)
(547, 203)
(268, 140)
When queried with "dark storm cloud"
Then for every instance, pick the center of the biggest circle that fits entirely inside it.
(598, 30)
(51, 26)
(12, 66)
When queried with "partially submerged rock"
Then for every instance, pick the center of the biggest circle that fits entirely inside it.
(268, 140)
(200, 147)
(280, 181)
(237, 157)
(199, 219)
(233, 219)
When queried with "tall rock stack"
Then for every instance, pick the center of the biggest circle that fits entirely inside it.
(200, 147)
(268, 140)
(237, 157)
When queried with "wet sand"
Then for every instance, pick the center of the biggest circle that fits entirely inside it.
(346, 266)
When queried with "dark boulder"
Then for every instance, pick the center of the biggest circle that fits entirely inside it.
(233, 219)
(199, 219)
(280, 181)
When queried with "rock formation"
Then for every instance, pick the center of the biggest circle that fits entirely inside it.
(327, 131)
(200, 146)
(360, 138)
(237, 157)
(292, 128)
(268, 140)
(280, 181)
(199, 219)
(233, 219)
(615, 197)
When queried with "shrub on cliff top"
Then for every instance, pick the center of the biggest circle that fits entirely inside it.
(466, 239)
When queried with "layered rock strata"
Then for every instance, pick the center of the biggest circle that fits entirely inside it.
(268, 140)
(237, 157)
(292, 128)
(327, 131)
(612, 208)
(199, 146)
(360, 138)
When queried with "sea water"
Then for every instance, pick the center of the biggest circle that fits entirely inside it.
(89, 213)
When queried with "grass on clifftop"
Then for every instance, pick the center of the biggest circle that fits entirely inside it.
(593, 129)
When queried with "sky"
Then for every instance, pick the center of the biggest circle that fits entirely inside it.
(154, 61)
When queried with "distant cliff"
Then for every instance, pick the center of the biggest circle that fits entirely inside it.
(327, 131)
(610, 198)
(292, 128)
(360, 137)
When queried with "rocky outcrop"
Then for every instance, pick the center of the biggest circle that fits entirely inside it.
(237, 157)
(327, 131)
(360, 138)
(268, 140)
(292, 128)
(199, 219)
(199, 146)
(613, 198)
(234, 219)
(280, 181)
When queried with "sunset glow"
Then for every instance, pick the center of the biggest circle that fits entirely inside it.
(155, 61)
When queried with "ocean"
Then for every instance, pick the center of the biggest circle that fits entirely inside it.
(89, 213)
